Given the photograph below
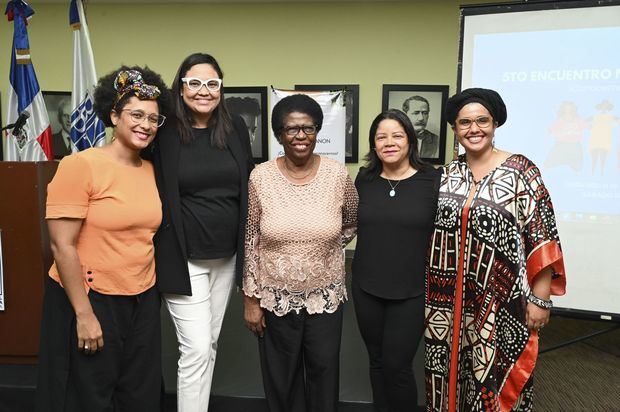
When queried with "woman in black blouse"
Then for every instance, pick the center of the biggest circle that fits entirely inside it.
(397, 205)
(202, 163)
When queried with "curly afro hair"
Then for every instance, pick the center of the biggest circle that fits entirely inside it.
(105, 93)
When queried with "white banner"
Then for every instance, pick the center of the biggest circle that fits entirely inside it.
(330, 141)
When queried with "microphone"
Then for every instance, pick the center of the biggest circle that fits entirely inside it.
(20, 122)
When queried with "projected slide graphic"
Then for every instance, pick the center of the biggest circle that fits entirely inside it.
(558, 71)
(563, 97)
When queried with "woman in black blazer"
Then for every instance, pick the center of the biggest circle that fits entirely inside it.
(202, 163)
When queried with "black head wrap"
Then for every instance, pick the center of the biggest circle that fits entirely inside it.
(486, 97)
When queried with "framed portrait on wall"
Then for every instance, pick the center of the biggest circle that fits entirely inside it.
(58, 105)
(250, 103)
(352, 109)
(424, 104)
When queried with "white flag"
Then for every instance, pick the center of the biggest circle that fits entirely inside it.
(86, 128)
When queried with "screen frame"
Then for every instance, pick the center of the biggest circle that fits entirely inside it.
(513, 7)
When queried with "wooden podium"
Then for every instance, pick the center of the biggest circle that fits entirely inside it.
(26, 256)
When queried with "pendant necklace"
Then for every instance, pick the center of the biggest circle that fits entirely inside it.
(392, 192)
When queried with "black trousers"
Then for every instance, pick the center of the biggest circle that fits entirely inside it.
(124, 376)
(391, 329)
(300, 361)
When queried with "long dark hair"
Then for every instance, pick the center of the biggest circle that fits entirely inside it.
(373, 166)
(220, 120)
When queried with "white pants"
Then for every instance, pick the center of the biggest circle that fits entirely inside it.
(198, 321)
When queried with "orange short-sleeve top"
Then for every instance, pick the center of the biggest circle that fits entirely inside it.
(121, 212)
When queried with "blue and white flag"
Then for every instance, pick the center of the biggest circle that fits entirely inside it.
(86, 128)
(33, 141)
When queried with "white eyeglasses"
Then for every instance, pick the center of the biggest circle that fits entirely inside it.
(195, 84)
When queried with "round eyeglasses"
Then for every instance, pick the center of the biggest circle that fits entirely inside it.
(138, 117)
(195, 84)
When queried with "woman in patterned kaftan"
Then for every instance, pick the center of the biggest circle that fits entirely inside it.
(495, 259)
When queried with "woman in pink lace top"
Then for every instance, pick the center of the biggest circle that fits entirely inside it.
(302, 212)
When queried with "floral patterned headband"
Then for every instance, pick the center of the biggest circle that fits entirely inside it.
(131, 81)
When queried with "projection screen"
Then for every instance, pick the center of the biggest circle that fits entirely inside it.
(557, 66)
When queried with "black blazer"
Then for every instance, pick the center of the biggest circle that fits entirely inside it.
(170, 248)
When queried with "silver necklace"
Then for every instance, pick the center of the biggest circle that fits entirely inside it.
(393, 191)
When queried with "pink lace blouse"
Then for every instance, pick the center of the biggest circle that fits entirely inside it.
(295, 237)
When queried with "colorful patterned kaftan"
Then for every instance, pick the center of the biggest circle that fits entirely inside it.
(483, 258)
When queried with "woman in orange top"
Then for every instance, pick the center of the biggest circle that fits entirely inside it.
(100, 336)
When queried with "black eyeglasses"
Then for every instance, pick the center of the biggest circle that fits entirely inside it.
(294, 130)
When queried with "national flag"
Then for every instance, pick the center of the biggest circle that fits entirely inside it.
(86, 128)
(34, 142)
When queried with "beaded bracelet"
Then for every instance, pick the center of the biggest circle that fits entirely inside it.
(541, 303)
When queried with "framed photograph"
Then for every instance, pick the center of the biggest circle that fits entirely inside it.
(251, 104)
(424, 105)
(352, 108)
(58, 105)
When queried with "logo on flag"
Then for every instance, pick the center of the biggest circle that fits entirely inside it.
(86, 128)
